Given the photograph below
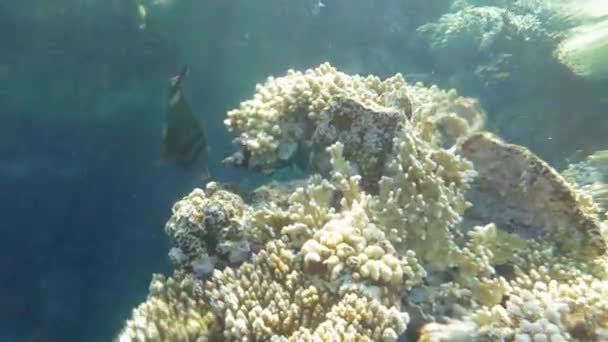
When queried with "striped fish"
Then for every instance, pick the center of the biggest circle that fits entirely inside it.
(183, 137)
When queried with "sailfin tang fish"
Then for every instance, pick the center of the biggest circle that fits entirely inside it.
(184, 140)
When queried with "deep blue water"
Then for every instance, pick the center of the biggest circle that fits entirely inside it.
(85, 207)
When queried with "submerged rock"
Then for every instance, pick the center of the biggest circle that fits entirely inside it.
(367, 135)
(522, 194)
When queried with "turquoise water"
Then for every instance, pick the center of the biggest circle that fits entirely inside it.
(83, 95)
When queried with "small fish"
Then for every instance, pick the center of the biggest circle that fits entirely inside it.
(503, 75)
(142, 14)
(183, 138)
(316, 8)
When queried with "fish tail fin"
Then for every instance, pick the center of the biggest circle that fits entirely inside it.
(185, 71)
(177, 79)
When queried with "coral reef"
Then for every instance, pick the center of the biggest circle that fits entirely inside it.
(172, 300)
(591, 178)
(472, 34)
(517, 191)
(463, 237)
(492, 50)
(463, 34)
(290, 117)
(548, 297)
(206, 231)
(497, 49)
(367, 136)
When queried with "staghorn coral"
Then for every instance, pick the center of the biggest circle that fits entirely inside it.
(340, 262)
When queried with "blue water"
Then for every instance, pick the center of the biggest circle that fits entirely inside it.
(83, 220)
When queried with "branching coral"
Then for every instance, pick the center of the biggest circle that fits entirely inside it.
(339, 259)
(473, 33)
(277, 121)
(269, 298)
(172, 312)
(493, 49)
(351, 242)
(574, 30)
(421, 198)
(548, 297)
(465, 33)
(291, 116)
(443, 117)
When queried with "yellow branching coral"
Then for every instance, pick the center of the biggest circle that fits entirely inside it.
(272, 124)
(309, 209)
(172, 312)
(443, 116)
(421, 199)
(351, 317)
(269, 298)
(284, 112)
(351, 244)
(546, 297)
(342, 177)
(487, 247)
